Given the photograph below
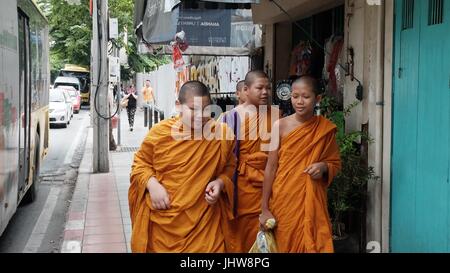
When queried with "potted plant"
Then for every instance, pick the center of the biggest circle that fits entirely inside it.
(347, 193)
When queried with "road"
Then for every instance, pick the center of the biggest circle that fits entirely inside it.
(38, 227)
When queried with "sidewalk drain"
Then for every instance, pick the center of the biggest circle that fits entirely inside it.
(126, 150)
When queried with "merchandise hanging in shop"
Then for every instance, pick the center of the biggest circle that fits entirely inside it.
(301, 59)
(333, 72)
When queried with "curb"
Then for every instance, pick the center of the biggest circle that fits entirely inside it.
(74, 229)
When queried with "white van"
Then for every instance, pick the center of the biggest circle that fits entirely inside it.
(68, 81)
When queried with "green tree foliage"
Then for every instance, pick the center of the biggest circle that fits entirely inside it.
(123, 10)
(71, 34)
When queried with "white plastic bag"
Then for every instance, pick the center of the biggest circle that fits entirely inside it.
(265, 240)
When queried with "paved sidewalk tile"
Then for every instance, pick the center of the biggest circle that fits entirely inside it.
(98, 220)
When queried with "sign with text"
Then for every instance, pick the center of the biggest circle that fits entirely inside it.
(206, 27)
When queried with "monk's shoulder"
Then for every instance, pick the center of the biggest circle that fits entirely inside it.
(284, 124)
(163, 128)
(326, 124)
(223, 131)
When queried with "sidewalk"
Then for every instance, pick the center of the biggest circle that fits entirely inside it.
(98, 220)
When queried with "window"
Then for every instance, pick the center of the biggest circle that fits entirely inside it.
(435, 12)
(56, 97)
(408, 14)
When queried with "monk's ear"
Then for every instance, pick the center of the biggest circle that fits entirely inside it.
(245, 89)
(177, 103)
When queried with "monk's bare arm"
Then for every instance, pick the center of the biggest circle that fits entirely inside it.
(269, 177)
(223, 181)
(269, 174)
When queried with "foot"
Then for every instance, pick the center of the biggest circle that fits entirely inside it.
(131, 129)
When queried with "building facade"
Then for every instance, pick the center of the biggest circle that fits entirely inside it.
(399, 52)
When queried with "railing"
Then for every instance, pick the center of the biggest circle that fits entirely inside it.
(152, 115)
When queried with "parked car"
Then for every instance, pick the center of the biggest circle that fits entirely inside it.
(75, 96)
(67, 81)
(59, 113)
(68, 101)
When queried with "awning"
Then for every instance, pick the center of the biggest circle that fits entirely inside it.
(206, 51)
(214, 31)
(153, 22)
(235, 1)
(268, 13)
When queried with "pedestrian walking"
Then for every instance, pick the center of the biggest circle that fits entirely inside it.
(131, 106)
(149, 95)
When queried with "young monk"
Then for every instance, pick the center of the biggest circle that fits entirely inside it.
(304, 160)
(180, 186)
(252, 122)
(240, 92)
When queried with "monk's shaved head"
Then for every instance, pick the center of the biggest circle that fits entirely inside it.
(251, 77)
(240, 86)
(310, 82)
(193, 89)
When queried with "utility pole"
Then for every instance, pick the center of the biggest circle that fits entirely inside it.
(99, 102)
(119, 98)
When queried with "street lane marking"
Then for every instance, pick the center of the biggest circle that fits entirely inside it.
(40, 229)
(75, 225)
(71, 247)
(76, 141)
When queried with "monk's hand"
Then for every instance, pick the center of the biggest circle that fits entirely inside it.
(213, 190)
(317, 170)
(263, 217)
(158, 195)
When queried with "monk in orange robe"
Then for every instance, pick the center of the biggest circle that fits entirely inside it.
(303, 161)
(254, 121)
(181, 181)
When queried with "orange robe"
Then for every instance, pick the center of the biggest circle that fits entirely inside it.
(299, 203)
(184, 168)
(241, 231)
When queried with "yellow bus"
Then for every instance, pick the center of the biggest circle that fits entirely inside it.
(24, 95)
(83, 74)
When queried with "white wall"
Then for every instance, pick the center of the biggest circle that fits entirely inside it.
(354, 37)
(163, 84)
(387, 125)
(373, 67)
(371, 35)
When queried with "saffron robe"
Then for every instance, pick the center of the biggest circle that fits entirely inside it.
(184, 167)
(299, 203)
(254, 132)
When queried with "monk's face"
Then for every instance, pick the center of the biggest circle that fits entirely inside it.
(304, 99)
(258, 92)
(193, 113)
